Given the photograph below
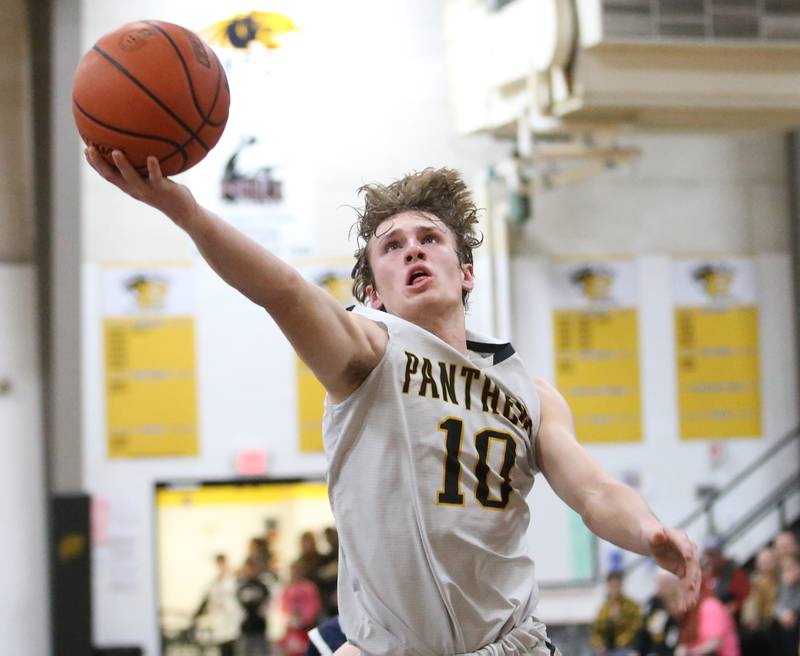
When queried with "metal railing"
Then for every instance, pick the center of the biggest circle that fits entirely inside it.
(772, 500)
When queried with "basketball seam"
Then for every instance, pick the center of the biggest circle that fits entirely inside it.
(206, 117)
(178, 148)
(152, 96)
(204, 122)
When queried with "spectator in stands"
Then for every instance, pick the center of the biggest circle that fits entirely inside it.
(328, 574)
(757, 610)
(310, 558)
(785, 633)
(729, 582)
(301, 603)
(253, 596)
(786, 545)
(658, 635)
(271, 538)
(708, 628)
(615, 628)
(221, 608)
(257, 556)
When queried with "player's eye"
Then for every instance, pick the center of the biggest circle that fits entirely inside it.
(391, 245)
(430, 238)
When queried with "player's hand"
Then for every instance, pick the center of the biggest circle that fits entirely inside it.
(675, 552)
(174, 200)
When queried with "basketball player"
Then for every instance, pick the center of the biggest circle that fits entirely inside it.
(433, 435)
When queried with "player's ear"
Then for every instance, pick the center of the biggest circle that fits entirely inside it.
(374, 297)
(468, 282)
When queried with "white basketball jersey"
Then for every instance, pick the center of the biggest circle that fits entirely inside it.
(429, 464)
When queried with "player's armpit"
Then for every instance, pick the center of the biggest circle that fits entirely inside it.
(340, 347)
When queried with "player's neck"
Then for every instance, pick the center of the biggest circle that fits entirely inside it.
(450, 327)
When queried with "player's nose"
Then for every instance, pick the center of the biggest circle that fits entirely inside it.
(414, 252)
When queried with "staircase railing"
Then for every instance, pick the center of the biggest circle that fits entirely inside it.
(773, 500)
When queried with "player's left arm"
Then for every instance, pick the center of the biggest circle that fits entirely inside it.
(610, 509)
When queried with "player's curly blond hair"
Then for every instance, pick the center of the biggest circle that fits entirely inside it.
(440, 192)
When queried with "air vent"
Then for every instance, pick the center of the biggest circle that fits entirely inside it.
(702, 20)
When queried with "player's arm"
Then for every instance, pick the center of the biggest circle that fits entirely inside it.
(610, 509)
(341, 348)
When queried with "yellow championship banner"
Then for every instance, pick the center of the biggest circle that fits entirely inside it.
(149, 355)
(310, 393)
(596, 345)
(716, 348)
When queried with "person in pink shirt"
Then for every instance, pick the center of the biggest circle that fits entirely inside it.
(301, 603)
(708, 628)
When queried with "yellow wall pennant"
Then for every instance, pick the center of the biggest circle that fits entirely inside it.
(150, 368)
(716, 349)
(597, 370)
(151, 405)
(596, 347)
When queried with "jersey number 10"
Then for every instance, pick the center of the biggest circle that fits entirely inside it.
(450, 494)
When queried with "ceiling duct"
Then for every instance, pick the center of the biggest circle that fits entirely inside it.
(655, 64)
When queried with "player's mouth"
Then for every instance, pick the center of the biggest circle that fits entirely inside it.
(418, 277)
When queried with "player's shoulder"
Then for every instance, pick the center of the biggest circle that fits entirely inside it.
(549, 396)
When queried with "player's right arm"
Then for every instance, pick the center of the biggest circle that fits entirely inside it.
(340, 347)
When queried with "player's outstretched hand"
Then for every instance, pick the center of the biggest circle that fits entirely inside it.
(675, 552)
(174, 200)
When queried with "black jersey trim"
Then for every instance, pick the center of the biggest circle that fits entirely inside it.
(500, 351)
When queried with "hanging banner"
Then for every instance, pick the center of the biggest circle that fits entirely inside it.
(596, 340)
(716, 348)
(336, 281)
(149, 347)
(258, 176)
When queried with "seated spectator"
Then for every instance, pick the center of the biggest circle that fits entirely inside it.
(660, 629)
(785, 544)
(708, 628)
(729, 582)
(615, 628)
(785, 635)
(757, 610)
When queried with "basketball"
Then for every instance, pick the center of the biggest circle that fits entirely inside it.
(151, 88)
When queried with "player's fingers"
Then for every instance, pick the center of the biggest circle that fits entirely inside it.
(99, 164)
(154, 171)
(129, 174)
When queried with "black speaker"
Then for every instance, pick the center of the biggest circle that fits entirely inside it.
(71, 575)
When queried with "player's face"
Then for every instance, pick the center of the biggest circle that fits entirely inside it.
(415, 266)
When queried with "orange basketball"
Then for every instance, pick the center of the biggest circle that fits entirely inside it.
(151, 88)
